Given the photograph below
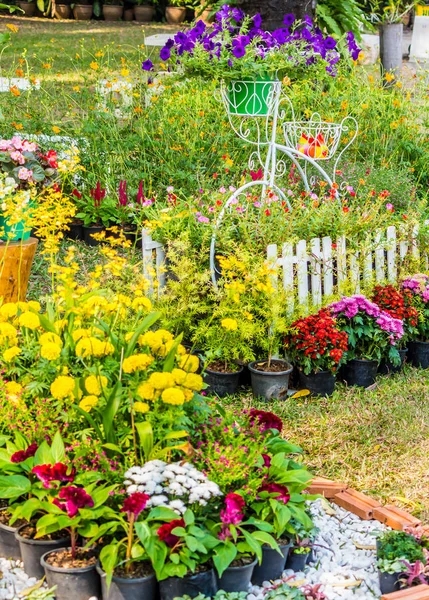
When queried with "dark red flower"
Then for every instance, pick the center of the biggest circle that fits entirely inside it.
(165, 535)
(135, 504)
(122, 194)
(232, 514)
(257, 175)
(266, 420)
(76, 193)
(267, 460)
(58, 472)
(19, 456)
(75, 498)
(281, 491)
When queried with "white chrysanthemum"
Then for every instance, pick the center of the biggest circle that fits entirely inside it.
(178, 506)
(159, 500)
(132, 489)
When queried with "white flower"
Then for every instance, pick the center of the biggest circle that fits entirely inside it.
(132, 489)
(159, 489)
(178, 506)
(159, 500)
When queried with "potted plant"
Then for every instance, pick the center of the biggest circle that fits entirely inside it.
(112, 10)
(302, 546)
(82, 11)
(205, 12)
(62, 10)
(29, 8)
(372, 335)
(394, 547)
(95, 212)
(418, 346)
(144, 11)
(317, 346)
(175, 11)
(398, 304)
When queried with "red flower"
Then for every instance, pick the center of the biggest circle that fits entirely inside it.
(58, 472)
(135, 504)
(232, 514)
(257, 175)
(165, 535)
(51, 158)
(267, 460)
(75, 498)
(266, 420)
(22, 455)
(98, 194)
(122, 194)
(76, 193)
(281, 491)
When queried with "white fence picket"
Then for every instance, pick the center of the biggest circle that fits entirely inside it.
(379, 258)
(341, 259)
(327, 267)
(391, 254)
(302, 271)
(316, 270)
(288, 274)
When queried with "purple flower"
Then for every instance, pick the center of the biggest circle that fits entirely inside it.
(257, 20)
(165, 53)
(352, 46)
(147, 65)
(289, 19)
(330, 43)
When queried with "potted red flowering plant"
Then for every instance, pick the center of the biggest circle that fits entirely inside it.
(317, 347)
(398, 304)
(418, 286)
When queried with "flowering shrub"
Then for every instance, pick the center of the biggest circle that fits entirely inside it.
(238, 48)
(26, 163)
(418, 287)
(372, 333)
(316, 343)
(398, 304)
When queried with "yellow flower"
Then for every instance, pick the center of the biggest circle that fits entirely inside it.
(156, 340)
(389, 77)
(193, 382)
(229, 324)
(62, 387)
(161, 381)
(88, 402)
(179, 376)
(189, 394)
(12, 28)
(50, 351)
(94, 385)
(80, 333)
(29, 320)
(94, 66)
(137, 362)
(34, 305)
(141, 303)
(50, 337)
(7, 331)
(8, 310)
(92, 346)
(141, 407)
(173, 396)
(56, 129)
(146, 391)
(14, 90)
(11, 353)
(189, 363)
(13, 391)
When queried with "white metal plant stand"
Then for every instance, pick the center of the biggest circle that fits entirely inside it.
(280, 141)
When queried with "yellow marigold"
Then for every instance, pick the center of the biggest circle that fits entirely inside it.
(189, 394)
(79, 333)
(161, 381)
(50, 337)
(29, 320)
(50, 351)
(11, 353)
(137, 362)
(229, 324)
(62, 387)
(141, 407)
(193, 382)
(179, 376)
(94, 385)
(92, 346)
(88, 402)
(189, 363)
(146, 391)
(7, 331)
(165, 349)
(34, 305)
(156, 339)
(13, 387)
(173, 396)
(141, 303)
(60, 324)
(8, 310)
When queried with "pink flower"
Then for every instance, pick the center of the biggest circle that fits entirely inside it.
(202, 219)
(222, 190)
(135, 504)
(281, 491)
(17, 157)
(25, 174)
(57, 472)
(22, 455)
(389, 207)
(266, 420)
(16, 142)
(267, 460)
(4, 145)
(75, 498)
(29, 146)
(232, 514)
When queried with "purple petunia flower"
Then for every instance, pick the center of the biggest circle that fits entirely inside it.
(165, 53)
(147, 65)
(257, 20)
(289, 19)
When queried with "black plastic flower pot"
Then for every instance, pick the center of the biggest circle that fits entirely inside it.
(33, 550)
(191, 585)
(75, 231)
(236, 579)
(81, 582)
(319, 384)
(389, 582)
(418, 354)
(270, 385)
(386, 367)
(272, 565)
(297, 562)
(361, 373)
(140, 588)
(9, 545)
(222, 384)
(88, 232)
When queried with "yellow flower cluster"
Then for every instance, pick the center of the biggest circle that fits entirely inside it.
(88, 402)
(160, 342)
(137, 362)
(29, 320)
(62, 387)
(8, 334)
(93, 346)
(229, 324)
(94, 385)
(174, 388)
(13, 392)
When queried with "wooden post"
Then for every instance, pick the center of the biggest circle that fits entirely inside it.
(16, 259)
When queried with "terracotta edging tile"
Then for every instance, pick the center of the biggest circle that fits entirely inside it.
(420, 592)
(326, 487)
(395, 517)
(357, 503)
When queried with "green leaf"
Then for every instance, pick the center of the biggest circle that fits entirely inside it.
(13, 486)
(109, 560)
(223, 557)
(110, 411)
(253, 543)
(162, 513)
(147, 322)
(43, 455)
(188, 517)
(169, 359)
(145, 433)
(57, 448)
(175, 435)
(41, 7)
(266, 539)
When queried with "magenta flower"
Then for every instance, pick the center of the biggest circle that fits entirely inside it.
(57, 472)
(135, 504)
(22, 455)
(281, 491)
(266, 420)
(267, 460)
(232, 514)
(75, 498)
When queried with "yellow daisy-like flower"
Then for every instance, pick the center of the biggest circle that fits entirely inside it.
(92, 346)
(179, 376)
(141, 303)
(173, 396)
(11, 353)
(62, 387)
(88, 402)
(141, 407)
(193, 382)
(13, 387)
(189, 363)
(7, 331)
(60, 324)
(49, 337)
(229, 324)
(77, 334)
(156, 339)
(146, 391)
(34, 305)
(50, 351)
(29, 320)
(137, 362)
(94, 385)
(161, 381)
(8, 310)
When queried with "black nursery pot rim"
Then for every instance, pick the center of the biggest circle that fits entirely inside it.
(270, 373)
(246, 566)
(33, 542)
(5, 527)
(123, 580)
(223, 373)
(46, 565)
(363, 360)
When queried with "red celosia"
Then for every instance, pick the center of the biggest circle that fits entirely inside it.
(98, 194)
(233, 513)
(57, 472)
(22, 455)
(122, 193)
(266, 420)
(74, 499)
(281, 491)
(165, 535)
(135, 504)
(397, 304)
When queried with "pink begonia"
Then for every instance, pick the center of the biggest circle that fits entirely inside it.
(17, 157)
(222, 190)
(25, 174)
(16, 142)
(202, 219)
(29, 146)
(4, 145)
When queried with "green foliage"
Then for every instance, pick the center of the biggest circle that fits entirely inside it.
(340, 17)
(284, 592)
(396, 545)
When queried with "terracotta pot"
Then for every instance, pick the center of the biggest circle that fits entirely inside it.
(82, 12)
(175, 14)
(205, 16)
(112, 12)
(29, 8)
(16, 259)
(144, 13)
(129, 14)
(63, 11)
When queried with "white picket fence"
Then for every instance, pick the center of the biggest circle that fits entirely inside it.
(316, 269)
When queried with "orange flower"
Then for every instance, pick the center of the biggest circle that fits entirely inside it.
(15, 91)
(19, 72)
(18, 126)
(46, 66)
(12, 28)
